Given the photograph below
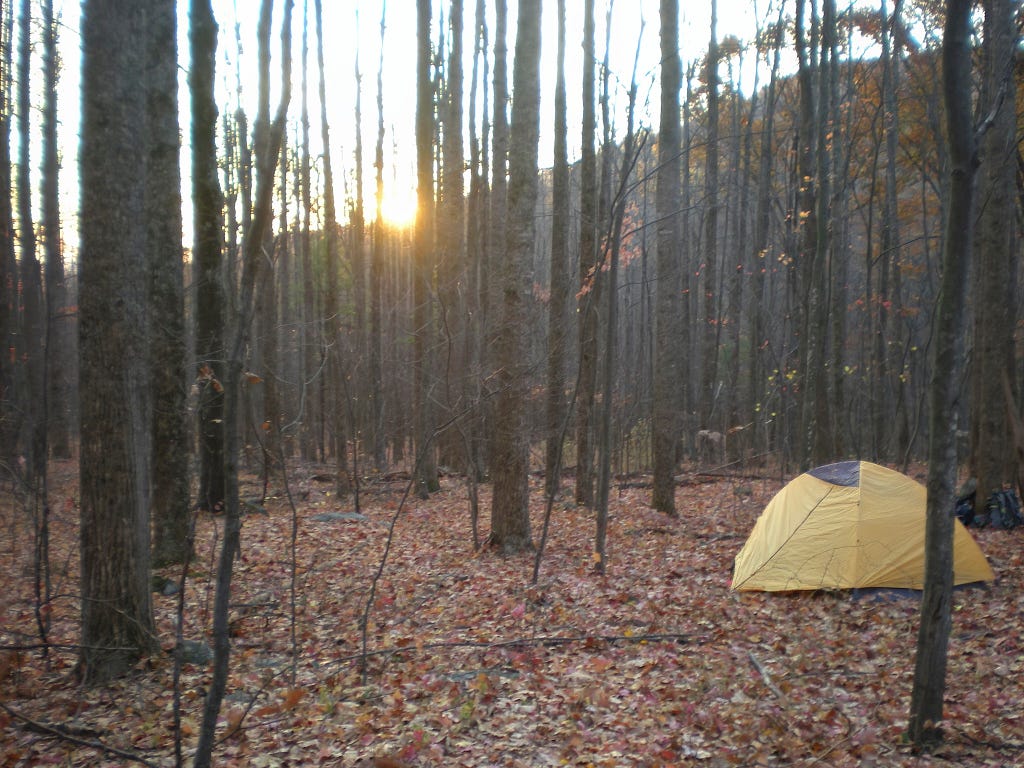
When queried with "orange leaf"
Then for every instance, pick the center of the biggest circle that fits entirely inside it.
(292, 697)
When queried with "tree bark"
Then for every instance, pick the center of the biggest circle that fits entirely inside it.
(709, 269)
(332, 305)
(378, 434)
(995, 272)
(510, 507)
(252, 242)
(10, 418)
(423, 371)
(207, 251)
(558, 307)
(58, 348)
(34, 322)
(668, 374)
(166, 291)
(936, 616)
(588, 294)
(117, 616)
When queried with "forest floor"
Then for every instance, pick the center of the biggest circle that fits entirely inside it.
(656, 663)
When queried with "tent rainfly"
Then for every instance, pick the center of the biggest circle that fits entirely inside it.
(846, 526)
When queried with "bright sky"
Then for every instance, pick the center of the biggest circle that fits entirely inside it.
(353, 26)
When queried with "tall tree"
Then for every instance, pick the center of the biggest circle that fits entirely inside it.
(426, 463)
(510, 508)
(558, 307)
(889, 257)
(612, 250)
(207, 250)
(310, 337)
(995, 273)
(114, 474)
(709, 271)
(494, 253)
(816, 394)
(166, 289)
(451, 268)
(33, 322)
(668, 373)
(377, 273)
(9, 415)
(332, 301)
(57, 328)
(252, 265)
(936, 614)
(588, 295)
(760, 245)
(805, 221)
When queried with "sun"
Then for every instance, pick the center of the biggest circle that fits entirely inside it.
(399, 207)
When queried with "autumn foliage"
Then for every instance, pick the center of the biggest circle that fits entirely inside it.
(656, 664)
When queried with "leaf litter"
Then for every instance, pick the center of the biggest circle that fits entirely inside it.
(656, 663)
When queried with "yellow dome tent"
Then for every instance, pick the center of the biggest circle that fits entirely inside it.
(844, 526)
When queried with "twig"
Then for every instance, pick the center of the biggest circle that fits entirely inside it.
(766, 678)
(61, 733)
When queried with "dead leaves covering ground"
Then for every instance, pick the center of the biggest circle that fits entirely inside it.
(656, 664)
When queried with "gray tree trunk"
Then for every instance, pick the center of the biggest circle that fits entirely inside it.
(9, 413)
(992, 450)
(423, 371)
(558, 308)
(668, 374)
(117, 616)
(207, 251)
(936, 616)
(166, 291)
(510, 509)
(587, 309)
(33, 328)
(709, 272)
(58, 347)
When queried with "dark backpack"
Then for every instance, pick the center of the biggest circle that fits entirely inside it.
(965, 508)
(1002, 511)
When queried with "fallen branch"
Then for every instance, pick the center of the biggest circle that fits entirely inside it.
(766, 678)
(65, 733)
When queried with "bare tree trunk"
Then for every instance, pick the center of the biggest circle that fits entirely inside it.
(377, 275)
(451, 269)
(58, 351)
(558, 307)
(207, 251)
(310, 337)
(816, 403)
(34, 324)
(588, 299)
(170, 508)
(995, 280)
(251, 266)
(668, 374)
(936, 616)
(332, 322)
(495, 253)
(806, 229)
(117, 615)
(10, 418)
(355, 391)
(510, 507)
(629, 155)
(709, 272)
(762, 221)
(478, 213)
(423, 373)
